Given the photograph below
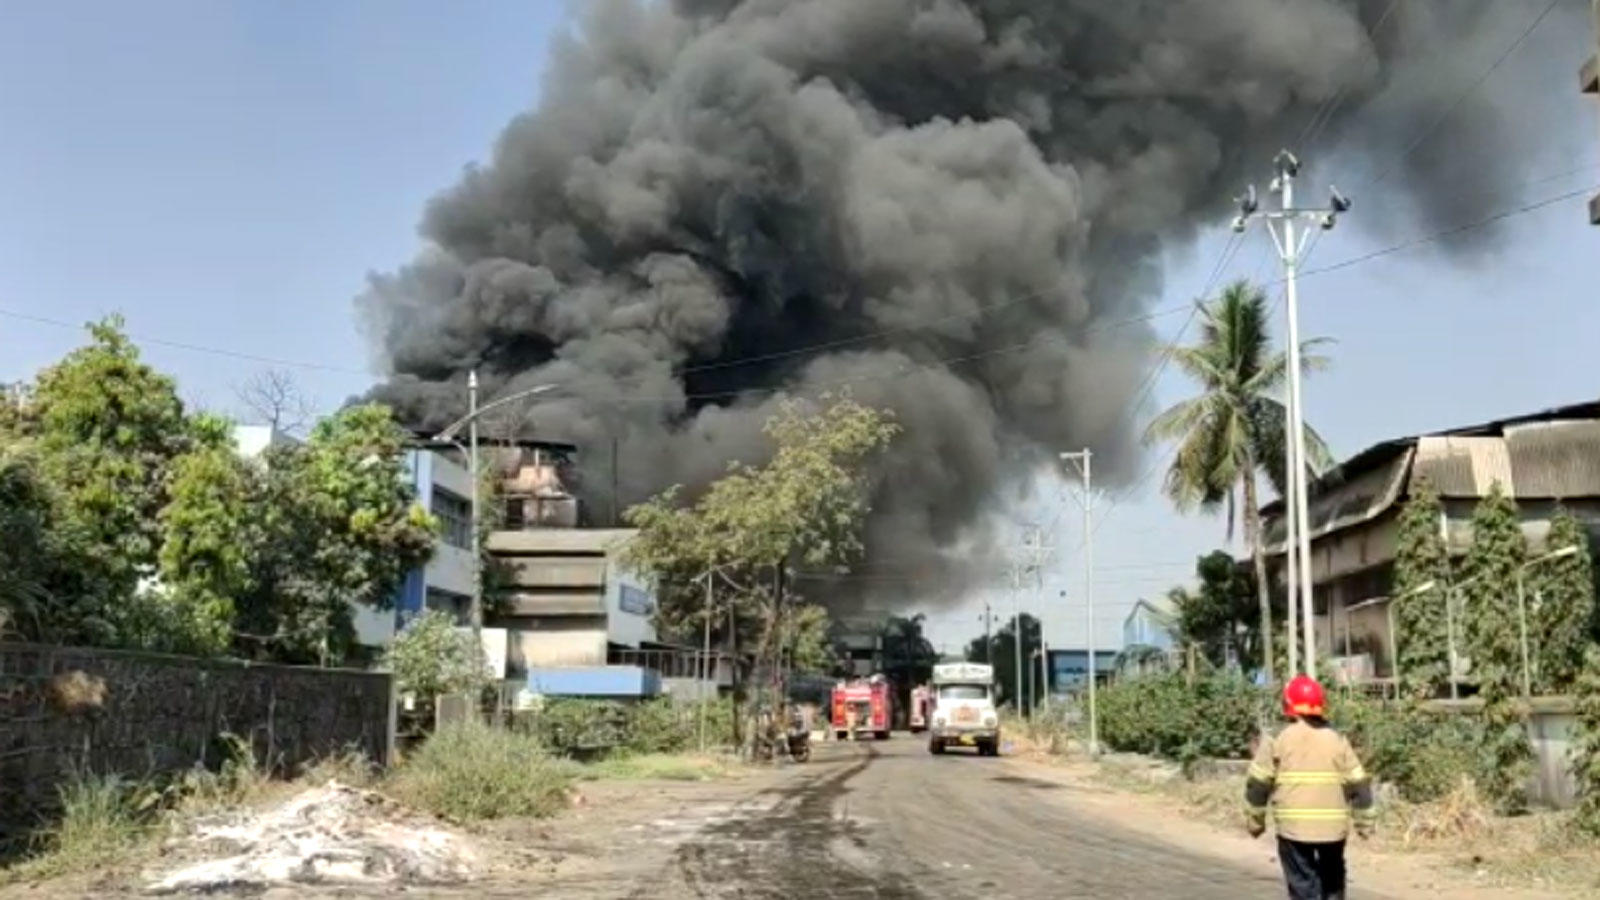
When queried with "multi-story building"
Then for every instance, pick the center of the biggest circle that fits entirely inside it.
(576, 620)
(442, 485)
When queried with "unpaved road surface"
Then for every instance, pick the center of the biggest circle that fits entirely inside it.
(873, 820)
(884, 820)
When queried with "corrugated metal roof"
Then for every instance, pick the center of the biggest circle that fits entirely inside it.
(1357, 498)
(1555, 460)
(1463, 466)
(1551, 454)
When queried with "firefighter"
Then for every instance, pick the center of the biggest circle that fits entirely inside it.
(1316, 786)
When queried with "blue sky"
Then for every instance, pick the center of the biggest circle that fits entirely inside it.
(224, 174)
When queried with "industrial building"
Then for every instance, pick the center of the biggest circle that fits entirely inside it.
(1540, 459)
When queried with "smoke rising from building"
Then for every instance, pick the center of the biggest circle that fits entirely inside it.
(953, 208)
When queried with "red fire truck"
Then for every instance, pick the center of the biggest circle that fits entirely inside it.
(864, 705)
(921, 708)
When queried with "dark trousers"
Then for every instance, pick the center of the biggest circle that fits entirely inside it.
(1312, 871)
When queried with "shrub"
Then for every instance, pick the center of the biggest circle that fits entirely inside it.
(432, 657)
(660, 726)
(571, 727)
(587, 727)
(1426, 756)
(1163, 715)
(471, 771)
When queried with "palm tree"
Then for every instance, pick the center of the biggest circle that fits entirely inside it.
(1234, 429)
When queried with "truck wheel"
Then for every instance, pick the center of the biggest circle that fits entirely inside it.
(839, 735)
(988, 748)
(936, 747)
(883, 735)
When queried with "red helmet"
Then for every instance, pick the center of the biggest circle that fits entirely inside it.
(1303, 697)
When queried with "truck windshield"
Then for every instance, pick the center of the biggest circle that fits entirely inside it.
(963, 692)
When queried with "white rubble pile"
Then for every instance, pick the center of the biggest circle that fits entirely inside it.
(333, 834)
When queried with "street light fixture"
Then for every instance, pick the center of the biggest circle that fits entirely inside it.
(1522, 610)
(1522, 616)
(470, 421)
(1391, 602)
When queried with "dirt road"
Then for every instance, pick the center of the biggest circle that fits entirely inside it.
(881, 820)
(888, 820)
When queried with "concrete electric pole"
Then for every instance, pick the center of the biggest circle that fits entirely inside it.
(1016, 635)
(1589, 83)
(1291, 246)
(1037, 552)
(1082, 459)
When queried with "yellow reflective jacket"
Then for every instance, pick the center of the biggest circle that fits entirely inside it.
(1310, 777)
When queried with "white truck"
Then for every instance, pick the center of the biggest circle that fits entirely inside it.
(963, 709)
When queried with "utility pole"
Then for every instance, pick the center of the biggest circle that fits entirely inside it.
(705, 659)
(1082, 460)
(988, 642)
(1037, 553)
(1589, 83)
(1291, 248)
(470, 420)
(476, 613)
(1016, 633)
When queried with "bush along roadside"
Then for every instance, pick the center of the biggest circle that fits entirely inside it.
(470, 771)
(591, 729)
(1217, 716)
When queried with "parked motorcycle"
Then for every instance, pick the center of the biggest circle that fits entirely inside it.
(799, 739)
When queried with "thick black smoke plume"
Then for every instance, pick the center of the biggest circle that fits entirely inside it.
(953, 208)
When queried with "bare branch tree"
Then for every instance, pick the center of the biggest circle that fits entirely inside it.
(274, 398)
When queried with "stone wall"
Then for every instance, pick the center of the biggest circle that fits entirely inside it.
(65, 709)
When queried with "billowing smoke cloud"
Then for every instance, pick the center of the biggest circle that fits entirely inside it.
(953, 208)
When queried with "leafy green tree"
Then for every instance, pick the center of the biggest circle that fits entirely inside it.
(205, 558)
(1220, 617)
(908, 655)
(1493, 640)
(28, 560)
(1586, 749)
(749, 529)
(1421, 557)
(335, 526)
(1001, 652)
(432, 656)
(1560, 593)
(106, 429)
(1234, 429)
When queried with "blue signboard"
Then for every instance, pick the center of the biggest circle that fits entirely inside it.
(633, 600)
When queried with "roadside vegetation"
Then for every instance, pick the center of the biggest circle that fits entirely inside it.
(467, 772)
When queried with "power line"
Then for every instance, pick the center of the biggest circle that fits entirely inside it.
(1046, 338)
(196, 348)
(1450, 232)
(1465, 94)
(1325, 114)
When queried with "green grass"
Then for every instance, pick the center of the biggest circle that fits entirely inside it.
(657, 767)
(472, 771)
(104, 819)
